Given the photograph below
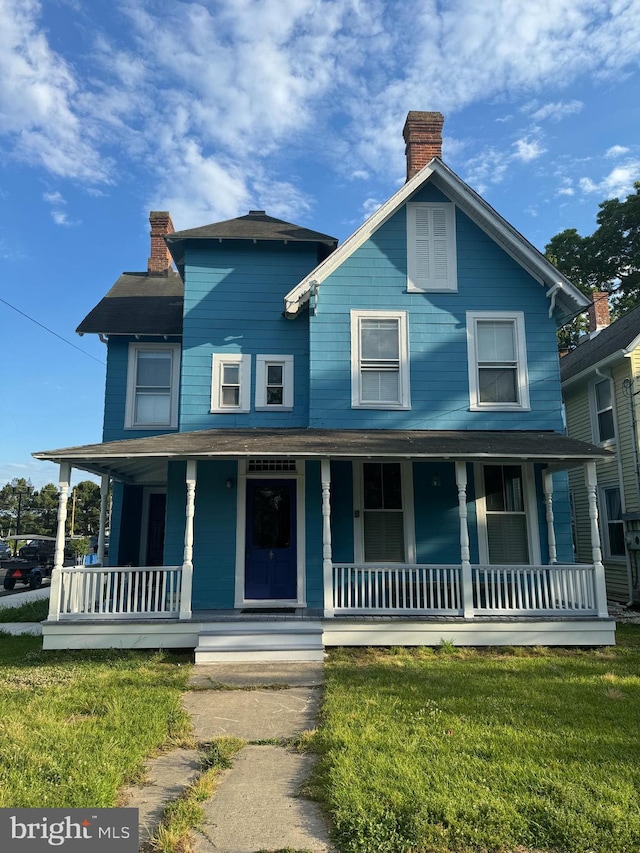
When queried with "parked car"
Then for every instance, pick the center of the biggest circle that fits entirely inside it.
(5, 550)
(41, 550)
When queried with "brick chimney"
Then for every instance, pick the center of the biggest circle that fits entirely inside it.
(423, 137)
(599, 317)
(160, 259)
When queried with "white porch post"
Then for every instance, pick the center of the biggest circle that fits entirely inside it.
(465, 556)
(547, 485)
(591, 481)
(58, 558)
(104, 494)
(187, 561)
(327, 560)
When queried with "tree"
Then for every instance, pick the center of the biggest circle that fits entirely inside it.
(607, 260)
(86, 516)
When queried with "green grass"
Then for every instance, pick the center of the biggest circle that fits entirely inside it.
(462, 750)
(31, 611)
(76, 726)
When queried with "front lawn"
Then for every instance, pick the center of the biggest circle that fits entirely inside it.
(496, 750)
(75, 726)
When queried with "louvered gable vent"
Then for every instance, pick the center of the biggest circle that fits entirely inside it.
(431, 250)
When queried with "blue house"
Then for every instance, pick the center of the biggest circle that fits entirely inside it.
(313, 445)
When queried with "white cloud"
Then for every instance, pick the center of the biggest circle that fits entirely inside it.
(557, 111)
(528, 150)
(618, 183)
(58, 212)
(369, 207)
(616, 151)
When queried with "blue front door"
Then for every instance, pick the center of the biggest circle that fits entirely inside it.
(270, 562)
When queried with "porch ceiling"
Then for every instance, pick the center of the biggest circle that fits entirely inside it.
(144, 460)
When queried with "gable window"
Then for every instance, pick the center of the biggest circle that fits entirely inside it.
(612, 522)
(152, 386)
(431, 247)
(497, 356)
(602, 402)
(383, 515)
(506, 518)
(379, 360)
(231, 383)
(274, 383)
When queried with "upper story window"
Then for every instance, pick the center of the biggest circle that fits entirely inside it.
(497, 355)
(431, 246)
(274, 383)
(231, 383)
(152, 386)
(602, 408)
(379, 360)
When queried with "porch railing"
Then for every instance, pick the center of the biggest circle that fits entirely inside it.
(128, 591)
(495, 590)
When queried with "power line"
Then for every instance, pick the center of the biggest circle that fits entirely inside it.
(47, 329)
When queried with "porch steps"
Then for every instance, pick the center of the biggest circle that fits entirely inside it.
(256, 640)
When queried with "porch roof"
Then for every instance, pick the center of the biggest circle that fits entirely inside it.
(144, 460)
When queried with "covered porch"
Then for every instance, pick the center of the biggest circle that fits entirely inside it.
(359, 601)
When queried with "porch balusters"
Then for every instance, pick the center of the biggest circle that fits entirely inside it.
(591, 481)
(327, 558)
(465, 555)
(547, 485)
(187, 562)
(58, 559)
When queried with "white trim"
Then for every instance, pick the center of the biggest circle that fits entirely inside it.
(404, 393)
(522, 380)
(218, 359)
(262, 362)
(523, 252)
(130, 404)
(417, 280)
(408, 514)
(594, 411)
(530, 510)
(144, 527)
(241, 541)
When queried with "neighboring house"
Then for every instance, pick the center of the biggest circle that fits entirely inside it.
(314, 445)
(601, 385)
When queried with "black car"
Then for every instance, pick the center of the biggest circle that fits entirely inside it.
(38, 550)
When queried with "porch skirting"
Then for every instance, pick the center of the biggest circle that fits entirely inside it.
(236, 637)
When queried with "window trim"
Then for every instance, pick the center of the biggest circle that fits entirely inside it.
(403, 356)
(406, 473)
(530, 511)
(218, 359)
(605, 521)
(262, 363)
(522, 378)
(431, 285)
(594, 411)
(130, 403)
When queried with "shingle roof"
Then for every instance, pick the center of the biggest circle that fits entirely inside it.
(615, 338)
(139, 304)
(134, 458)
(256, 225)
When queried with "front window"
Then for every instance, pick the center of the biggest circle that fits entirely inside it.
(230, 383)
(603, 407)
(497, 361)
(152, 386)
(613, 523)
(383, 516)
(274, 383)
(507, 536)
(379, 360)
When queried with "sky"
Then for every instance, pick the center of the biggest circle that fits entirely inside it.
(112, 108)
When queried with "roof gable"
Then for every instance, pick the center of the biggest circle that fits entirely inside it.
(561, 292)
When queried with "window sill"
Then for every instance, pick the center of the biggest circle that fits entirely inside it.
(151, 426)
(395, 407)
(496, 407)
(410, 289)
(229, 411)
(273, 408)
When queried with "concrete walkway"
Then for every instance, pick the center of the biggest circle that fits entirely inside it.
(257, 805)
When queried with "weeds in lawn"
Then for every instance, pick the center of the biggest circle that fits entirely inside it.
(30, 611)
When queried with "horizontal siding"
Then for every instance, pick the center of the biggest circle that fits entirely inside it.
(374, 277)
(233, 303)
